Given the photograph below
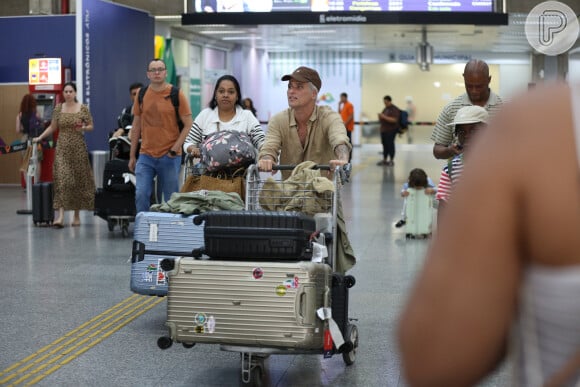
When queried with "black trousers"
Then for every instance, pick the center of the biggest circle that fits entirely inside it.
(349, 134)
(388, 140)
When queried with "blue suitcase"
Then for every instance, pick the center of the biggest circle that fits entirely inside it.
(160, 235)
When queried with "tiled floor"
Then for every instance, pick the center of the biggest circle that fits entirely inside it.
(69, 317)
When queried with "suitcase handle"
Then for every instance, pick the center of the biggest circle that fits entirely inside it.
(303, 295)
(138, 252)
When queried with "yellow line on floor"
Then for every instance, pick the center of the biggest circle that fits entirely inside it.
(67, 348)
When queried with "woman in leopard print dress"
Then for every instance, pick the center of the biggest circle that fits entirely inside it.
(74, 185)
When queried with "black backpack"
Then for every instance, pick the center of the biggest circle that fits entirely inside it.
(173, 95)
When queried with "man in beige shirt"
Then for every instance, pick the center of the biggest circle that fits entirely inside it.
(304, 131)
(307, 132)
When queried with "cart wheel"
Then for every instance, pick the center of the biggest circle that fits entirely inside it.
(256, 377)
(125, 230)
(111, 224)
(164, 342)
(352, 337)
(188, 345)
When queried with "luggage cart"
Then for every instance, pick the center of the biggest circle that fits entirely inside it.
(339, 335)
(191, 167)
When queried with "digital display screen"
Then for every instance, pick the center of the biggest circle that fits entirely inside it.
(251, 12)
(44, 71)
(341, 5)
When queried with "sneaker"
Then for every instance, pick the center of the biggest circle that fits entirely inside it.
(400, 223)
(390, 163)
(382, 162)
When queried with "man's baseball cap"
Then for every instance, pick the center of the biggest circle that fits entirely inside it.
(305, 74)
(470, 115)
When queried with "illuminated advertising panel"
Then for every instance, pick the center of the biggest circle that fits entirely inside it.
(44, 71)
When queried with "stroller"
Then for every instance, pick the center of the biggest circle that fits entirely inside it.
(115, 202)
(119, 147)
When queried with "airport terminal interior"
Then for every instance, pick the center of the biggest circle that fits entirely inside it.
(70, 319)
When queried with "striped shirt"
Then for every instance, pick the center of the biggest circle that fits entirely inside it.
(449, 178)
(208, 122)
(443, 132)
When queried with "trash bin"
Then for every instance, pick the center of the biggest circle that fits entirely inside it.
(99, 158)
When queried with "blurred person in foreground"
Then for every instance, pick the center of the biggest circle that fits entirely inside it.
(502, 277)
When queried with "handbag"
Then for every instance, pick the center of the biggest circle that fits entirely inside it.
(227, 150)
(26, 159)
(217, 182)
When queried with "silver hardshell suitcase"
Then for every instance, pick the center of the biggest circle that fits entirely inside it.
(419, 212)
(160, 232)
(265, 304)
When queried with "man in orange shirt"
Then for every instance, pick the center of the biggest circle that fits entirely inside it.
(346, 111)
(155, 124)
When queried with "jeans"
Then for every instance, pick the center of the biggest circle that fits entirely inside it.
(165, 168)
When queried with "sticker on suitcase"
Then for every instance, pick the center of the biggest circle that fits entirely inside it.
(203, 323)
(153, 272)
(257, 273)
(292, 283)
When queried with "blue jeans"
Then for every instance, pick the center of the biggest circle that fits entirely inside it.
(165, 168)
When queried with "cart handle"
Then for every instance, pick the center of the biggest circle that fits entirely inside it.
(289, 167)
(344, 172)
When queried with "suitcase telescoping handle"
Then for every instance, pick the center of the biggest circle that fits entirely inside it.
(139, 251)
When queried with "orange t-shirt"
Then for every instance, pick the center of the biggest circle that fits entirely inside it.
(159, 130)
(347, 111)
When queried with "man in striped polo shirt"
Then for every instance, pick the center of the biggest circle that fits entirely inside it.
(468, 120)
(476, 77)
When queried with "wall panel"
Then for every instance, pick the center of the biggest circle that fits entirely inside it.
(10, 96)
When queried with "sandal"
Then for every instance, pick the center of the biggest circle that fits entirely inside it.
(57, 225)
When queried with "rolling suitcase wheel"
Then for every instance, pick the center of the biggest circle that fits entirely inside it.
(167, 264)
(125, 228)
(349, 355)
(350, 281)
(164, 342)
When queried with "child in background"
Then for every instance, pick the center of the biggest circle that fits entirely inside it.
(418, 179)
(468, 120)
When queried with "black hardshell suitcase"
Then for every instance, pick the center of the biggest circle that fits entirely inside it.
(42, 209)
(114, 203)
(260, 235)
(339, 301)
